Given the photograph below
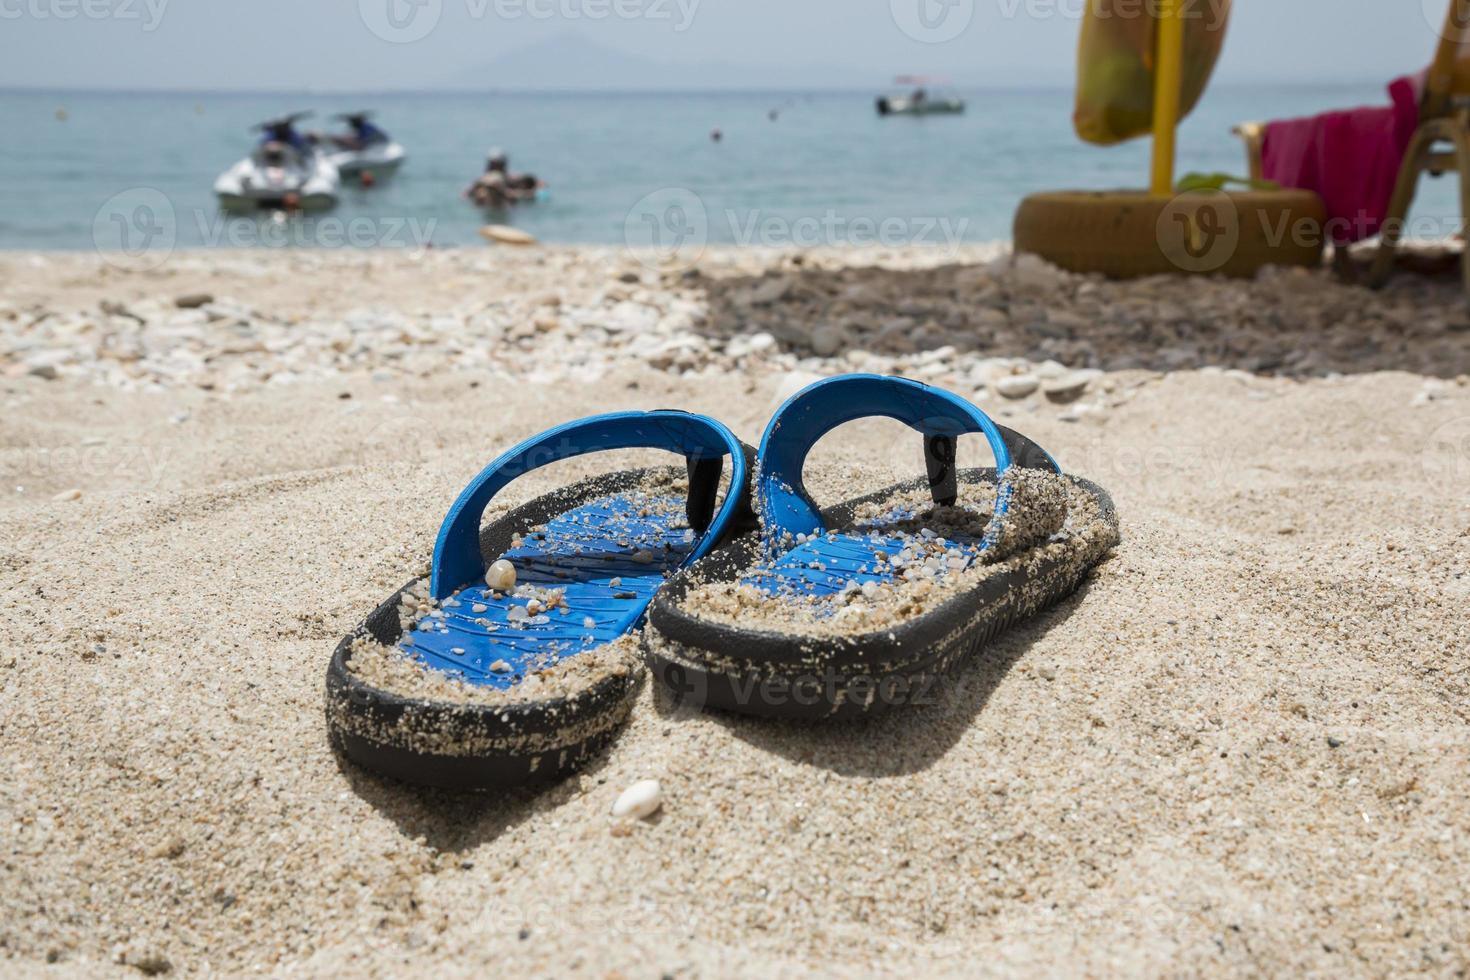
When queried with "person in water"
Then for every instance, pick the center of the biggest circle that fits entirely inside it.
(497, 186)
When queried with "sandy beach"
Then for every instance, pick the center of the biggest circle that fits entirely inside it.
(1240, 749)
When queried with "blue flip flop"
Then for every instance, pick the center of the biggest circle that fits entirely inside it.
(475, 678)
(866, 605)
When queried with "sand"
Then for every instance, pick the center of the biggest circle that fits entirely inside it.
(1240, 749)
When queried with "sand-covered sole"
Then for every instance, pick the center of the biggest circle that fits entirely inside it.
(734, 667)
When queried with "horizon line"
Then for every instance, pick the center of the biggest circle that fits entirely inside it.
(22, 89)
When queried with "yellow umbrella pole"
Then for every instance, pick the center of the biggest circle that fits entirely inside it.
(1168, 71)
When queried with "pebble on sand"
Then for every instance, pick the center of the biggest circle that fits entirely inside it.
(640, 800)
(1017, 385)
(65, 495)
(827, 339)
(501, 576)
(1067, 388)
(192, 301)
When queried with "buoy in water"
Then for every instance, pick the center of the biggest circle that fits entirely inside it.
(506, 235)
(367, 179)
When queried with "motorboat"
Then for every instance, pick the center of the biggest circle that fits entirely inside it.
(284, 173)
(919, 100)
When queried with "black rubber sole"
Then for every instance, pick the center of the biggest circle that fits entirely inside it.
(707, 664)
(476, 746)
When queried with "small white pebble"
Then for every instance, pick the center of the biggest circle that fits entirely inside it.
(457, 651)
(516, 613)
(643, 557)
(479, 607)
(640, 800)
(615, 582)
(501, 576)
(589, 623)
(72, 494)
(500, 667)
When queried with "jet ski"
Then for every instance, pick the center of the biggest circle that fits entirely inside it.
(284, 172)
(365, 149)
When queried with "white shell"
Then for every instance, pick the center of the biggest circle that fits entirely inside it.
(501, 576)
(640, 800)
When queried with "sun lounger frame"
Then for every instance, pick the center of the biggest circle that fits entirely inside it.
(1444, 120)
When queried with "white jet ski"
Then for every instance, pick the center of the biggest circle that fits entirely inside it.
(285, 172)
(365, 150)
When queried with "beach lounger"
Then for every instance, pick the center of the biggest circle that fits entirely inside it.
(1366, 162)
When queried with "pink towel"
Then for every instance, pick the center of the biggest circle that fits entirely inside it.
(1350, 158)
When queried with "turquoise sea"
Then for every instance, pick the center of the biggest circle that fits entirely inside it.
(826, 170)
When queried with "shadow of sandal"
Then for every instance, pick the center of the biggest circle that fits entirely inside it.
(906, 740)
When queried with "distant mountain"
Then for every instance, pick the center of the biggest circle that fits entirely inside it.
(573, 62)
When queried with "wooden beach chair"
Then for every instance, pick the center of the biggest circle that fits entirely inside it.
(1440, 144)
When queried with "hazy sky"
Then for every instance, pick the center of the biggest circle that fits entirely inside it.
(376, 44)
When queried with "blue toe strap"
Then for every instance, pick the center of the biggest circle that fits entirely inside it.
(937, 414)
(457, 558)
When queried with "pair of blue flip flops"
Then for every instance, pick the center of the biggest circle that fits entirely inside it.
(521, 649)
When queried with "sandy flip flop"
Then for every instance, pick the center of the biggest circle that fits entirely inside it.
(515, 659)
(858, 608)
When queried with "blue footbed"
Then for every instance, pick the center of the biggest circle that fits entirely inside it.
(821, 562)
(606, 557)
(822, 565)
(581, 552)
